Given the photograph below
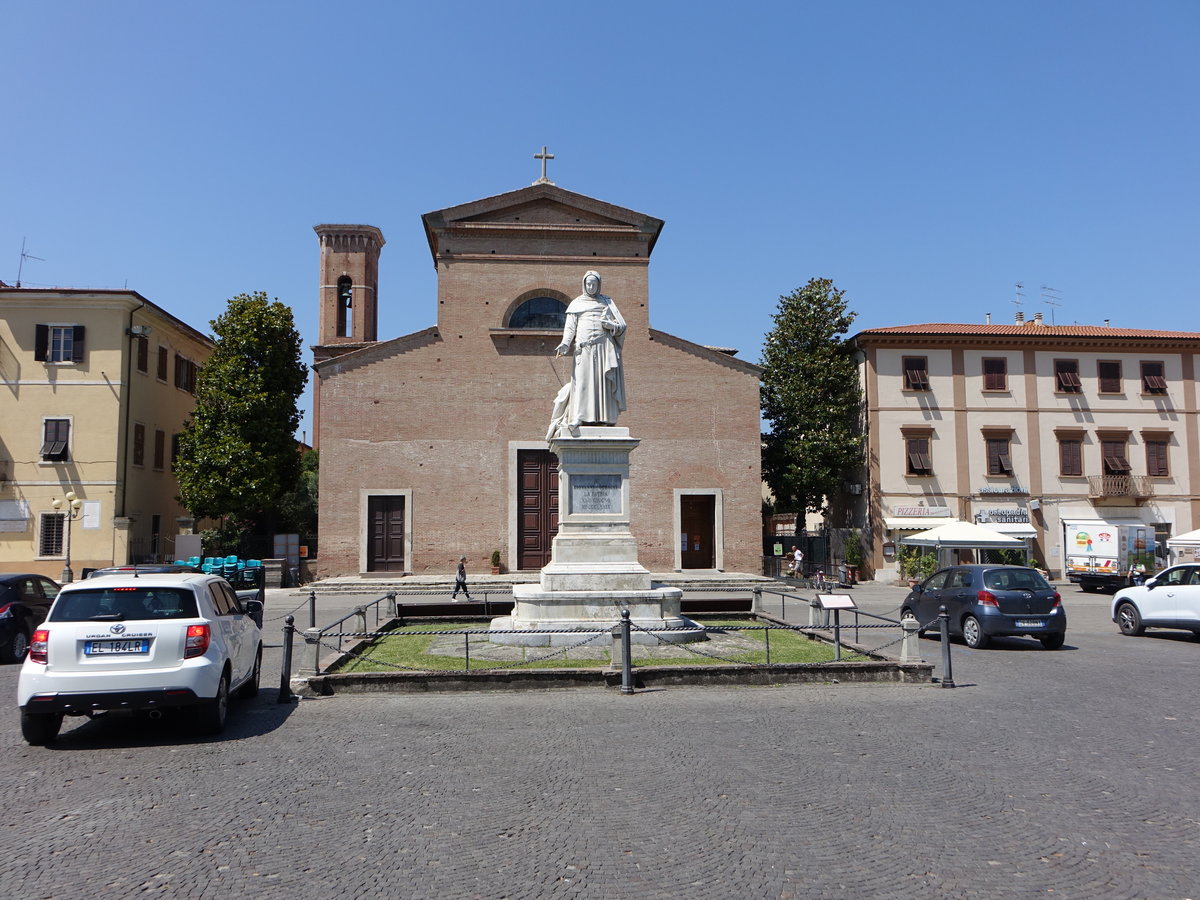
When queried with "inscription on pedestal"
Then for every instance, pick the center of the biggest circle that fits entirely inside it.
(596, 494)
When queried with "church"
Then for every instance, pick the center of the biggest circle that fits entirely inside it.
(433, 444)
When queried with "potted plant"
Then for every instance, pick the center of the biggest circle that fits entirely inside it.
(853, 552)
(495, 562)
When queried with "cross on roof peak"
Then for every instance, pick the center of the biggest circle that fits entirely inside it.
(543, 156)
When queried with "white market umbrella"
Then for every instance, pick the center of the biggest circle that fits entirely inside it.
(962, 535)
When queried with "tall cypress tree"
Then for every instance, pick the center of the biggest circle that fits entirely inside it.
(810, 399)
(238, 456)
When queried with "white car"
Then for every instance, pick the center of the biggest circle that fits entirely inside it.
(1170, 599)
(142, 643)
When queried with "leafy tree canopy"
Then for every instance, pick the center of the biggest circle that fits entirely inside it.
(810, 399)
(237, 455)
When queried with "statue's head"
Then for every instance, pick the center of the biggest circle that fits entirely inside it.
(591, 283)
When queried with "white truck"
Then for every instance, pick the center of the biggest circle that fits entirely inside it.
(1100, 555)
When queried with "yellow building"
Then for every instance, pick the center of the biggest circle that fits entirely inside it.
(97, 385)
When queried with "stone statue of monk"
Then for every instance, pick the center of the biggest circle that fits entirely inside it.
(593, 336)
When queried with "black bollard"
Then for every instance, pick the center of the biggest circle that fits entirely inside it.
(944, 626)
(285, 676)
(312, 609)
(626, 655)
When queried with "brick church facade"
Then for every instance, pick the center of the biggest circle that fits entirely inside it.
(433, 444)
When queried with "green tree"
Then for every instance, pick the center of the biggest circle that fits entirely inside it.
(238, 456)
(810, 399)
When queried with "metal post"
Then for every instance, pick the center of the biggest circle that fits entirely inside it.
(312, 639)
(626, 655)
(312, 609)
(467, 650)
(285, 676)
(767, 637)
(756, 603)
(837, 635)
(944, 626)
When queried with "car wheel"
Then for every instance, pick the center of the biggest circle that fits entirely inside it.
(16, 646)
(906, 614)
(1129, 620)
(973, 633)
(213, 712)
(250, 688)
(1089, 588)
(1053, 641)
(39, 729)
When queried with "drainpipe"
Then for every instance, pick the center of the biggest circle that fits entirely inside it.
(126, 389)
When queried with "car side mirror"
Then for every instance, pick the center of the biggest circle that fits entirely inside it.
(254, 609)
(918, 589)
(1151, 582)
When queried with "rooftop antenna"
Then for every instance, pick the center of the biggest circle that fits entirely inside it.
(1019, 300)
(1052, 298)
(25, 256)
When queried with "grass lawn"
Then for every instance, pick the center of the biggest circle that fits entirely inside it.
(424, 651)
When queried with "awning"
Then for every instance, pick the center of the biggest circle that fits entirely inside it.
(917, 523)
(1015, 529)
(1187, 539)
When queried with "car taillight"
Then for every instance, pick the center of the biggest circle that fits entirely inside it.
(1057, 599)
(197, 640)
(39, 646)
(987, 598)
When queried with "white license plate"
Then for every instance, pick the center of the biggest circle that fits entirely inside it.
(100, 648)
(1029, 623)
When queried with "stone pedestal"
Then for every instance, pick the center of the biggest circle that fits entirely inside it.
(594, 572)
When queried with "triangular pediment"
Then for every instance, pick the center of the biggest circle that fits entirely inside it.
(544, 211)
(545, 206)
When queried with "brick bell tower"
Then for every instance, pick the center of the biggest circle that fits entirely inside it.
(348, 296)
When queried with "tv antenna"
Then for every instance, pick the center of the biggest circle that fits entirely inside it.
(1019, 299)
(1052, 298)
(25, 256)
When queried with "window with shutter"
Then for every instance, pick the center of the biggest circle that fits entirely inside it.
(916, 373)
(1156, 458)
(56, 435)
(1108, 372)
(1070, 456)
(160, 448)
(1115, 461)
(998, 459)
(143, 355)
(917, 457)
(995, 374)
(139, 444)
(1066, 376)
(1153, 379)
(162, 363)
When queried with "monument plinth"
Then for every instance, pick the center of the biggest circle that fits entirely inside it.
(594, 571)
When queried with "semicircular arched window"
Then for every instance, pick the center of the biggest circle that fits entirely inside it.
(539, 312)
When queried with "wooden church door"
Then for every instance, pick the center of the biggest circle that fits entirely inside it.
(537, 507)
(385, 515)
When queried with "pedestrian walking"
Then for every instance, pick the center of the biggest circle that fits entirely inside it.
(797, 566)
(460, 580)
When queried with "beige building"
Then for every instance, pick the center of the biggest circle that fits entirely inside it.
(433, 444)
(1044, 432)
(97, 386)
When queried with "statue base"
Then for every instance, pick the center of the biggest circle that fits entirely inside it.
(594, 572)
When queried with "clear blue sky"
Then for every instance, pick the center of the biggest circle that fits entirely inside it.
(924, 155)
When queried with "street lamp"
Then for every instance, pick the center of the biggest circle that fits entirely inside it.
(74, 505)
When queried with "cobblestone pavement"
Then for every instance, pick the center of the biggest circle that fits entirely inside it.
(1069, 773)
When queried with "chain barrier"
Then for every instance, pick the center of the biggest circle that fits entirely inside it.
(290, 612)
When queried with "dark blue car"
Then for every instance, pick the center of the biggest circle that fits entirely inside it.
(24, 602)
(987, 601)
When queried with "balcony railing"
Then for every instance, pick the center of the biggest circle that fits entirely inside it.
(1134, 486)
